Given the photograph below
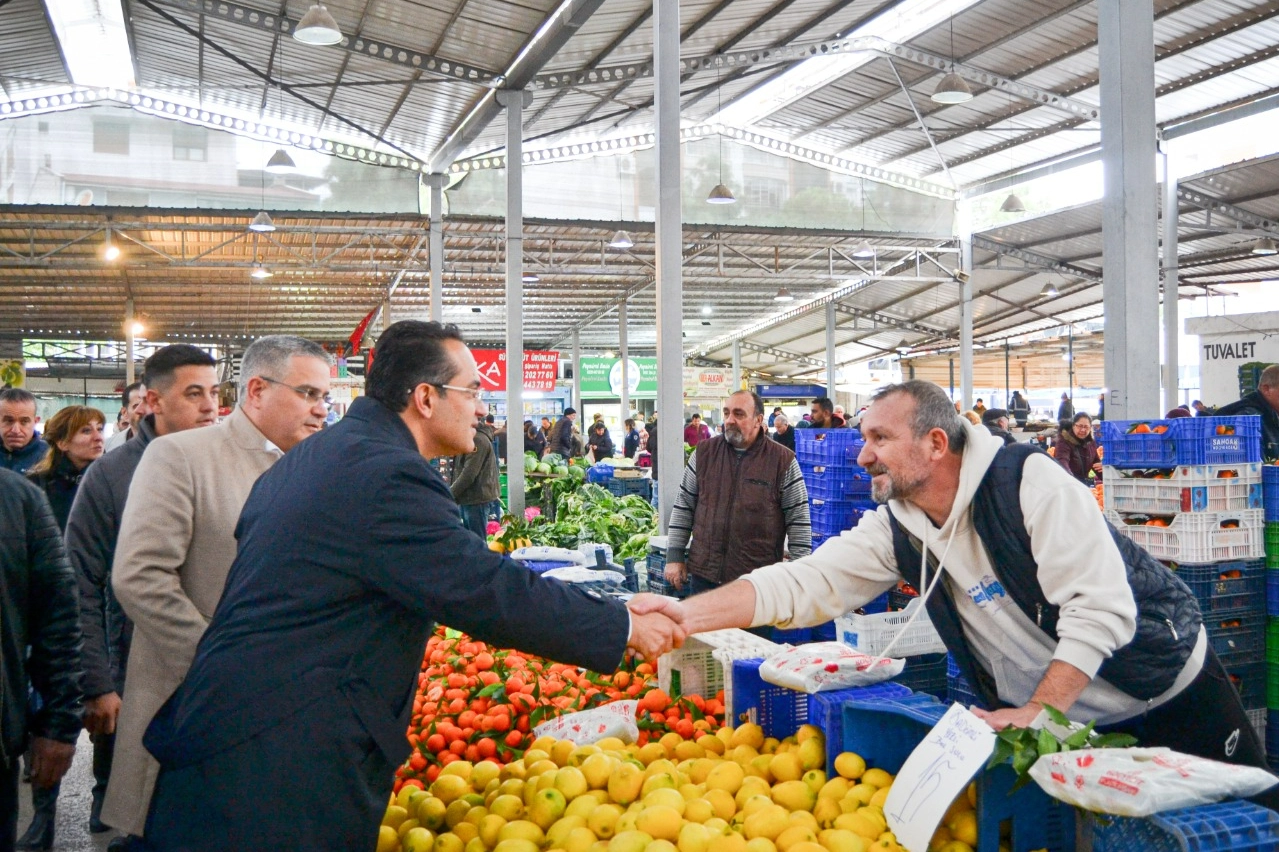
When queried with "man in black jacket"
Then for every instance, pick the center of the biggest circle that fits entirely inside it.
(561, 440)
(1264, 401)
(290, 722)
(476, 486)
(37, 610)
(996, 420)
(182, 393)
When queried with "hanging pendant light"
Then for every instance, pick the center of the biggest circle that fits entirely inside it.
(317, 27)
(783, 295)
(721, 195)
(110, 251)
(1012, 204)
(1264, 246)
(530, 278)
(280, 163)
(260, 272)
(1049, 291)
(952, 89)
(864, 249)
(262, 223)
(621, 240)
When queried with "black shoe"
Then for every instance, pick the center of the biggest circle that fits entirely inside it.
(123, 843)
(96, 825)
(39, 835)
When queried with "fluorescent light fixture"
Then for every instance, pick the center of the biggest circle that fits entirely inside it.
(783, 295)
(530, 278)
(317, 27)
(952, 89)
(621, 240)
(260, 272)
(1012, 204)
(721, 195)
(1264, 246)
(94, 42)
(262, 223)
(1049, 291)
(280, 163)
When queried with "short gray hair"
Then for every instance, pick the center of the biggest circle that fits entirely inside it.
(1270, 376)
(933, 410)
(269, 356)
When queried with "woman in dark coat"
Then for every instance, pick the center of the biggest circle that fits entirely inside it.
(599, 442)
(534, 440)
(74, 436)
(632, 443)
(1076, 450)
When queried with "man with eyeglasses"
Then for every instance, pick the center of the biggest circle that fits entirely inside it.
(177, 540)
(291, 721)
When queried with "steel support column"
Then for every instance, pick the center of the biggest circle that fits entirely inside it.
(1130, 292)
(963, 219)
(436, 249)
(1172, 322)
(577, 369)
(830, 349)
(624, 352)
(669, 251)
(737, 366)
(386, 313)
(513, 101)
(128, 342)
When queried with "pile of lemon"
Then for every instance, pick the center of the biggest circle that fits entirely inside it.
(733, 791)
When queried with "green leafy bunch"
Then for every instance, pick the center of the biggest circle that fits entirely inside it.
(1023, 746)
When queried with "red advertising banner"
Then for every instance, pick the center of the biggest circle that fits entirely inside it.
(540, 369)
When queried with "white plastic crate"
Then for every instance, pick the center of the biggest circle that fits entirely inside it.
(872, 633)
(1187, 488)
(1200, 537)
(699, 672)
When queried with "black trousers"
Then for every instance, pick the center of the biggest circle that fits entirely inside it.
(103, 753)
(1207, 720)
(8, 805)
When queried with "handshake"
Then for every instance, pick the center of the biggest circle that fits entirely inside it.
(657, 625)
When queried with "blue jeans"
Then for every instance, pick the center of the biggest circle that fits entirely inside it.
(475, 518)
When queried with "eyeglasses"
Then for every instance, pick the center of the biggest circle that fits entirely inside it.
(313, 396)
(473, 392)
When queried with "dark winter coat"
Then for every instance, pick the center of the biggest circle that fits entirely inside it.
(37, 610)
(561, 440)
(475, 475)
(786, 439)
(1076, 456)
(631, 445)
(304, 681)
(1255, 403)
(25, 458)
(536, 444)
(60, 485)
(601, 444)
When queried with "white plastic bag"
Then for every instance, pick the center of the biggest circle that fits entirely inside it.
(1138, 782)
(580, 574)
(616, 719)
(549, 554)
(823, 666)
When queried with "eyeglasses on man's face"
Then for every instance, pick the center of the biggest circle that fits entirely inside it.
(313, 396)
(474, 393)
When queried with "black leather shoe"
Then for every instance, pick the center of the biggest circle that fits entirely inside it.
(39, 835)
(123, 843)
(96, 825)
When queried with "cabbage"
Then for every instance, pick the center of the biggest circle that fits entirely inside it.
(543, 467)
(530, 463)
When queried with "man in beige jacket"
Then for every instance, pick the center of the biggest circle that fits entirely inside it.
(177, 540)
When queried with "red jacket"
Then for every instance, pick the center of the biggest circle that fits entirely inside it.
(695, 433)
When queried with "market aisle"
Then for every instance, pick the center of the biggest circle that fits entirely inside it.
(73, 806)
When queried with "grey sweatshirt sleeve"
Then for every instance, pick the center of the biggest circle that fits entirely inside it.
(799, 530)
(679, 528)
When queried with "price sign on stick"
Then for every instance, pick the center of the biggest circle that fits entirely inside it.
(939, 768)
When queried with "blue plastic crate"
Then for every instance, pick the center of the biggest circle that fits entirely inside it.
(794, 636)
(1232, 826)
(827, 446)
(831, 517)
(826, 711)
(1272, 735)
(835, 481)
(1250, 680)
(885, 731)
(1272, 591)
(1237, 633)
(599, 473)
(1270, 491)
(1222, 587)
(958, 690)
(1188, 440)
(643, 486)
(824, 632)
(924, 673)
(879, 604)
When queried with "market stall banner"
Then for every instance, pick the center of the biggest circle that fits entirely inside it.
(707, 383)
(602, 377)
(540, 369)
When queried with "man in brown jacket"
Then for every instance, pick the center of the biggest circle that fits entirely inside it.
(177, 540)
(742, 500)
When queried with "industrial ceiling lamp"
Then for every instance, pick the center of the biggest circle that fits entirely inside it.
(317, 27)
(864, 249)
(902, 346)
(280, 163)
(262, 223)
(1049, 291)
(110, 251)
(260, 272)
(721, 194)
(783, 295)
(952, 89)
(621, 240)
(530, 278)
(1264, 246)
(1012, 204)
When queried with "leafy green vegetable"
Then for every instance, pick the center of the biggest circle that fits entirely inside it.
(1023, 746)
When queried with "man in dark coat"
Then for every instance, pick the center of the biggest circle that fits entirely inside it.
(476, 485)
(37, 611)
(292, 718)
(182, 393)
(996, 420)
(561, 439)
(1264, 401)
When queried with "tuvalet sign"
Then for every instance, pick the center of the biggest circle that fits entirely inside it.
(602, 377)
(540, 369)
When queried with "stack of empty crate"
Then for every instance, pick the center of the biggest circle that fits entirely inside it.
(1189, 492)
(838, 489)
(1270, 498)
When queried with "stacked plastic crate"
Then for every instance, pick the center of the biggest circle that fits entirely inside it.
(838, 489)
(1270, 499)
(1189, 492)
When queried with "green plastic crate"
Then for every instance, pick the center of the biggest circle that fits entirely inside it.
(1272, 640)
(1272, 686)
(1272, 545)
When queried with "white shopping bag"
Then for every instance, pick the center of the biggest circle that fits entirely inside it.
(1137, 782)
(823, 666)
(615, 719)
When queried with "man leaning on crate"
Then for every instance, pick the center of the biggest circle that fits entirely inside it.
(1041, 602)
(742, 501)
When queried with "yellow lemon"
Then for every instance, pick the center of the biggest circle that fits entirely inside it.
(387, 839)
(964, 827)
(876, 778)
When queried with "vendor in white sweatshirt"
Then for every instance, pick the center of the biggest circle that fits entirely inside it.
(927, 464)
